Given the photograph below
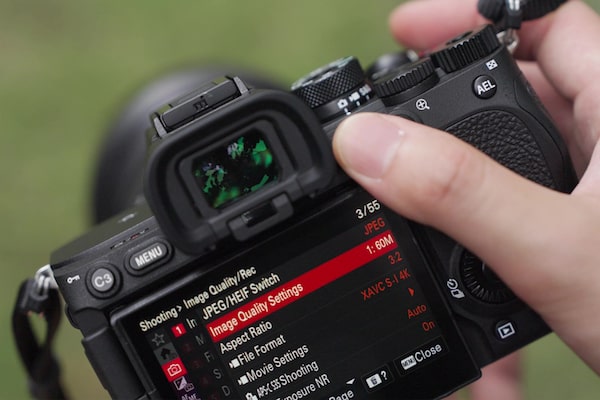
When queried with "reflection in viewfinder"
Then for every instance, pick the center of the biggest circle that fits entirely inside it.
(235, 169)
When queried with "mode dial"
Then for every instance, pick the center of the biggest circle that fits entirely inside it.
(466, 49)
(406, 82)
(334, 89)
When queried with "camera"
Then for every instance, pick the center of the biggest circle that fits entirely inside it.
(259, 270)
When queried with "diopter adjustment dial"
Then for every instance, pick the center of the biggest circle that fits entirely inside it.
(466, 49)
(406, 82)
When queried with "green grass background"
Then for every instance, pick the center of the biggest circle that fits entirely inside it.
(67, 66)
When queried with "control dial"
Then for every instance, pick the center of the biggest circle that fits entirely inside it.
(481, 281)
(334, 89)
(406, 82)
(386, 63)
(466, 49)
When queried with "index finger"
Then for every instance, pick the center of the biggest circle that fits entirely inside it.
(566, 43)
(421, 25)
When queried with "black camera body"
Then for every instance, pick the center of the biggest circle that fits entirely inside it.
(260, 271)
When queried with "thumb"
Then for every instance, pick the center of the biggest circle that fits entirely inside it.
(436, 179)
(541, 243)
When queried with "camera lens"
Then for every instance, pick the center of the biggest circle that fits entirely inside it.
(335, 89)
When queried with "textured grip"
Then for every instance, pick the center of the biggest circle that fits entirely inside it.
(504, 137)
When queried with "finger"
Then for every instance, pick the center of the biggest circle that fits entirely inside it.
(542, 243)
(500, 380)
(566, 45)
(557, 105)
(587, 118)
(562, 42)
(453, 396)
(589, 185)
(561, 110)
(433, 178)
(577, 120)
(415, 25)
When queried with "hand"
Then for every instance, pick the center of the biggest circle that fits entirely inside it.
(499, 381)
(431, 177)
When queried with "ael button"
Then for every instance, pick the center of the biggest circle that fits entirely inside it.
(484, 87)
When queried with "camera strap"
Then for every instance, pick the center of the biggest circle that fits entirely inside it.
(40, 296)
(508, 14)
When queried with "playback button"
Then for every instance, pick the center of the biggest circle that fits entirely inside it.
(505, 330)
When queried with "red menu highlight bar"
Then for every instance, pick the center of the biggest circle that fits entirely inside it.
(294, 290)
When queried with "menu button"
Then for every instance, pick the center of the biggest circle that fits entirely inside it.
(148, 256)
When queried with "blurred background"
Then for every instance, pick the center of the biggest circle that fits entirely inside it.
(67, 69)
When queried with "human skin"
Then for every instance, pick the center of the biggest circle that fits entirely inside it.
(551, 260)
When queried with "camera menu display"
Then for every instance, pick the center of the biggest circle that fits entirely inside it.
(346, 317)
